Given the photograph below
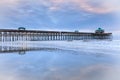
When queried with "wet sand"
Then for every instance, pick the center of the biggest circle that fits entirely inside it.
(61, 63)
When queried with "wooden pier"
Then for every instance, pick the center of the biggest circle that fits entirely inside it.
(38, 35)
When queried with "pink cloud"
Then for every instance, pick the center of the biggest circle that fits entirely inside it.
(85, 5)
(8, 2)
(105, 6)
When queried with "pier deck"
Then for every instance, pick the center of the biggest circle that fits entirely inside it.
(39, 35)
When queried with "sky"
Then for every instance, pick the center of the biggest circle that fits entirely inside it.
(83, 15)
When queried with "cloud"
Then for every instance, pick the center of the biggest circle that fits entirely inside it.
(50, 13)
(7, 6)
(8, 2)
(83, 4)
(93, 6)
(87, 5)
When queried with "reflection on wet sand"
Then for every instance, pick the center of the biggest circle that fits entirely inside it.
(92, 72)
(50, 63)
(23, 50)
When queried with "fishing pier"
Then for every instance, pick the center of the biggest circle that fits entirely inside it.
(21, 34)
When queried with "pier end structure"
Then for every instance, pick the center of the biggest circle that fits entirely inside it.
(21, 34)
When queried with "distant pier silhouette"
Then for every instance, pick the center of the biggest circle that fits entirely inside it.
(21, 34)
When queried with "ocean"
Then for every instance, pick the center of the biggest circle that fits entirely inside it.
(60, 60)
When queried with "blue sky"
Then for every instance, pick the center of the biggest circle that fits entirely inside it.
(84, 15)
